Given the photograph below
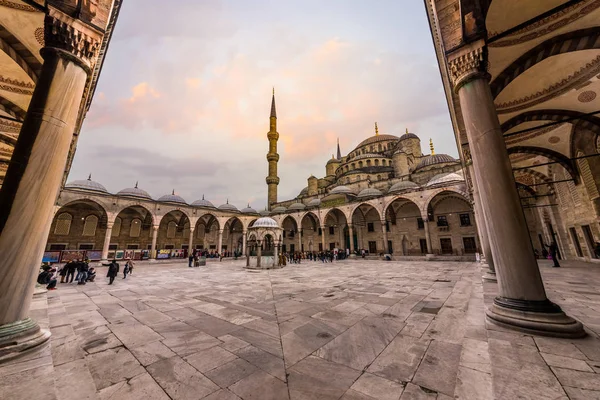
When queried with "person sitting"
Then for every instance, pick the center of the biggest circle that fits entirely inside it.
(46, 277)
(91, 275)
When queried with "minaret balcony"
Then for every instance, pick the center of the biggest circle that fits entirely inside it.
(272, 180)
(273, 136)
(272, 157)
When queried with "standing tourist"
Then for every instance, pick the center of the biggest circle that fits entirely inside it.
(113, 270)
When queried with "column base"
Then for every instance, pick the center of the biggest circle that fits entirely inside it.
(534, 317)
(19, 337)
(429, 256)
(489, 275)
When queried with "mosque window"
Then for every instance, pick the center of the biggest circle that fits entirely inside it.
(379, 147)
(89, 227)
(353, 166)
(368, 163)
(370, 227)
(331, 230)
(116, 231)
(378, 177)
(465, 220)
(320, 232)
(360, 164)
(442, 220)
(63, 224)
(383, 163)
(420, 223)
(171, 228)
(135, 228)
(376, 163)
(587, 177)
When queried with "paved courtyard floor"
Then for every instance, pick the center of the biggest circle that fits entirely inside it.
(351, 330)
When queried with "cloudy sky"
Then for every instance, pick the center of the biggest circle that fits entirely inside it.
(184, 96)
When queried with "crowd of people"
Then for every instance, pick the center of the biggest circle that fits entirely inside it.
(80, 272)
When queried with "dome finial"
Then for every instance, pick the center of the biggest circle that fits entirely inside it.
(273, 90)
(90, 177)
(431, 146)
(248, 205)
(202, 197)
(173, 193)
(407, 131)
(376, 130)
(136, 184)
(227, 200)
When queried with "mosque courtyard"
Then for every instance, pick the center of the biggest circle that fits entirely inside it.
(351, 330)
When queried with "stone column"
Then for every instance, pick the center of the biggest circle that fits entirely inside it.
(299, 240)
(220, 241)
(275, 254)
(258, 254)
(154, 239)
(351, 235)
(244, 233)
(191, 241)
(323, 237)
(482, 229)
(427, 235)
(385, 237)
(34, 176)
(106, 245)
(521, 302)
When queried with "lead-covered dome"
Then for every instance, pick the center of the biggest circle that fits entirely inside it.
(135, 192)
(403, 185)
(296, 207)
(375, 139)
(203, 203)
(265, 222)
(434, 159)
(369, 192)
(172, 198)
(86, 184)
(249, 210)
(265, 212)
(409, 135)
(278, 210)
(341, 190)
(314, 203)
(303, 192)
(445, 179)
(228, 207)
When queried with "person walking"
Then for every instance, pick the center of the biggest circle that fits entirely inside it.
(190, 259)
(553, 249)
(126, 269)
(113, 270)
(131, 265)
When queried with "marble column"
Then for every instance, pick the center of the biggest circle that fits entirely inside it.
(154, 239)
(275, 254)
(299, 240)
(244, 233)
(385, 237)
(220, 241)
(351, 235)
(258, 254)
(427, 235)
(34, 176)
(482, 229)
(521, 302)
(191, 241)
(323, 232)
(106, 245)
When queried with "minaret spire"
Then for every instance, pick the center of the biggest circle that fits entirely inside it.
(431, 147)
(376, 130)
(272, 156)
(339, 153)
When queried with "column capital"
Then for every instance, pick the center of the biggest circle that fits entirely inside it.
(109, 225)
(468, 63)
(155, 227)
(71, 38)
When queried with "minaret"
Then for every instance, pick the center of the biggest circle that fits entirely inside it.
(272, 156)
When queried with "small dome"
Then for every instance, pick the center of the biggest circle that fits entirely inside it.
(278, 210)
(408, 135)
(135, 192)
(314, 203)
(203, 203)
(172, 198)
(375, 139)
(341, 189)
(249, 210)
(403, 185)
(370, 192)
(228, 207)
(296, 207)
(435, 159)
(303, 192)
(87, 184)
(333, 160)
(265, 212)
(445, 178)
(265, 222)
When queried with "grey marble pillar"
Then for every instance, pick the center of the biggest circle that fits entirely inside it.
(191, 241)
(220, 241)
(323, 237)
(299, 240)
(351, 236)
(154, 239)
(482, 229)
(427, 234)
(521, 302)
(244, 233)
(385, 237)
(106, 244)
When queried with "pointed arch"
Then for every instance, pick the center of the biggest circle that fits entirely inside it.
(551, 154)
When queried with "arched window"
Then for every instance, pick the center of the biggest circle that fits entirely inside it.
(376, 163)
(353, 166)
(171, 229)
(372, 148)
(360, 164)
(186, 230)
(116, 227)
(379, 147)
(383, 163)
(136, 228)
(89, 226)
(63, 224)
(368, 163)
(378, 177)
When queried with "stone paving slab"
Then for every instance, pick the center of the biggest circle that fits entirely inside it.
(351, 330)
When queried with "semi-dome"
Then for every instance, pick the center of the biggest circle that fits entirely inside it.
(375, 139)
(403, 185)
(341, 189)
(203, 203)
(86, 184)
(279, 209)
(228, 207)
(314, 203)
(249, 210)
(265, 222)
(265, 212)
(369, 192)
(445, 179)
(134, 192)
(296, 207)
(435, 159)
(172, 198)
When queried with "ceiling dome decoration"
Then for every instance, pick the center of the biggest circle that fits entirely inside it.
(265, 222)
(278, 210)
(296, 207)
(434, 159)
(403, 185)
(341, 189)
(265, 212)
(314, 203)
(445, 179)
(172, 198)
(369, 192)
(203, 203)
(249, 210)
(86, 184)
(228, 207)
(135, 192)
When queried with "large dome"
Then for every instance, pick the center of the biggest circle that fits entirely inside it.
(435, 159)
(87, 184)
(375, 139)
(369, 192)
(403, 185)
(303, 192)
(203, 203)
(172, 198)
(265, 222)
(341, 189)
(228, 207)
(135, 192)
(296, 207)
(445, 179)
(249, 210)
